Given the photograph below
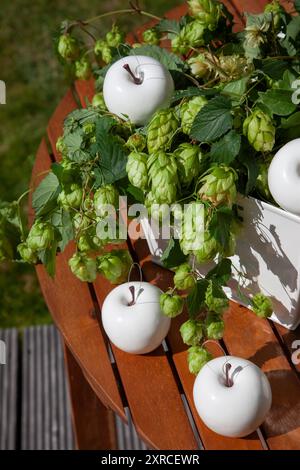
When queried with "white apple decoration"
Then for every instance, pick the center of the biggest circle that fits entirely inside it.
(137, 86)
(132, 317)
(284, 177)
(232, 396)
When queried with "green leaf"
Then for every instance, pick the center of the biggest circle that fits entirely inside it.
(173, 255)
(44, 198)
(48, 258)
(290, 42)
(227, 148)
(196, 298)
(274, 68)
(213, 121)
(247, 159)
(222, 272)
(193, 91)
(168, 59)
(136, 193)
(278, 101)
(291, 125)
(168, 26)
(220, 226)
(62, 220)
(236, 89)
(113, 158)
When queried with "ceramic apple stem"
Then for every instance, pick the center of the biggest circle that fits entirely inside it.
(228, 381)
(132, 291)
(137, 80)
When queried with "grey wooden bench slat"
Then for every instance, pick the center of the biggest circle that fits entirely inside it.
(8, 390)
(45, 407)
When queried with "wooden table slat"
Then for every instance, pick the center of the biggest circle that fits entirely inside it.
(71, 309)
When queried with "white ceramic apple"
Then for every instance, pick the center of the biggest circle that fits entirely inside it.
(284, 177)
(232, 396)
(132, 317)
(137, 86)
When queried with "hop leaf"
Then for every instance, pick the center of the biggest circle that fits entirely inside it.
(171, 304)
(197, 358)
(215, 298)
(262, 306)
(191, 332)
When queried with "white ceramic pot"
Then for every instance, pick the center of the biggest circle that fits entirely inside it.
(140, 95)
(138, 328)
(267, 252)
(234, 407)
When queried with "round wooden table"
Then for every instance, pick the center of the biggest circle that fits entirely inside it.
(157, 387)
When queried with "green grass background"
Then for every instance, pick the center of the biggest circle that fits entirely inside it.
(35, 83)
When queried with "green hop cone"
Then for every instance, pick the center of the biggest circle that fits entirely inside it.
(161, 130)
(157, 210)
(171, 304)
(234, 66)
(184, 278)
(71, 199)
(262, 305)
(41, 236)
(137, 169)
(162, 172)
(208, 250)
(215, 298)
(27, 254)
(197, 358)
(85, 244)
(259, 129)
(136, 142)
(81, 221)
(115, 266)
(190, 36)
(83, 267)
(98, 102)
(188, 159)
(214, 327)
(61, 146)
(179, 44)
(83, 68)
(103, 50)
(219, 186)
(115, 37)
(191, 332)
(151, 36)
(189, 110)
(191, 228)
(206, 11)
(106, 196)
(199, 66)
(68, 47)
